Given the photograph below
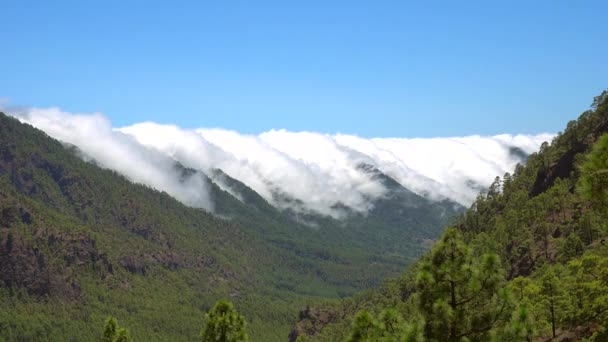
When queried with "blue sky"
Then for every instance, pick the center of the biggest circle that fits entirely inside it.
(371, 68)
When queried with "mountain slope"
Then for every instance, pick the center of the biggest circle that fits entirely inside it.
(79, 243)
(545, 222)
(301, 171)
(93, 237)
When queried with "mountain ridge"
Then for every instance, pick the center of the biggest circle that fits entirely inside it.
(318, 171)
(80, 242)
(541, 229)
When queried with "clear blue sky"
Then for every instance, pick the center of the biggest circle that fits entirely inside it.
(372, 68)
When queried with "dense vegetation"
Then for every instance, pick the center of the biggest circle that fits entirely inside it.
(79, 243)
(224, 324)
(528, 261)
(113, 333)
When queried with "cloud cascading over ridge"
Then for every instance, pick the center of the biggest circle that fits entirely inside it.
(316, 170)
(96, 140)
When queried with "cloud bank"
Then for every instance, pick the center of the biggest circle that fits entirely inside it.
(314, 171)
(109, 148)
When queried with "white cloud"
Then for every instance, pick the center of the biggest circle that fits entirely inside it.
(309, 167)
(445, 167)
(316, 170)
(95, 138)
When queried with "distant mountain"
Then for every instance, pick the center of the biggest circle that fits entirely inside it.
(302, 172)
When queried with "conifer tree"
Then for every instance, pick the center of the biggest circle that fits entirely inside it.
(553, 297)
(113, 333)
(459, 298)
(122, 335)
(109, 332)
(224, 324)
(521, 327)
(571, 247)
(389, 327)
(587, 287)
(364, 328)
(593, 183)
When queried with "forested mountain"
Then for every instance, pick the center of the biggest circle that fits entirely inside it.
(79, 243)
(527, 262)
(303, 172)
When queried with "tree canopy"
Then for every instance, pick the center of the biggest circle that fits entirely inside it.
(224, 324)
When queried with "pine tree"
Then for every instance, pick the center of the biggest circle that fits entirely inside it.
(364, 328)
(571, 247)
(593, 184)
(459, 298)
(113, 333)
(552, 296)
(519, 286)
(389, 327)
(587, 286)
(122, 336)
(521, 327)
(224, 324)
(109, 332)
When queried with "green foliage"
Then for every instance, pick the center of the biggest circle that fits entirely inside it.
(364, 328)
(112, 333)
(527, 261)
(110, 330)
(520, 328)
(593, 183)
(461, 297)
(570, 295)
(571, 247)
(552, 297)
(122, 336)
(224, 324)
(599, 336)
(586, 285)
(76, 234)
(546, 223)
(388, 327)
(79, 243)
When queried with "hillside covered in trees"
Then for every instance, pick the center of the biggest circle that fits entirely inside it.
(79, 243)
(527, 262)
